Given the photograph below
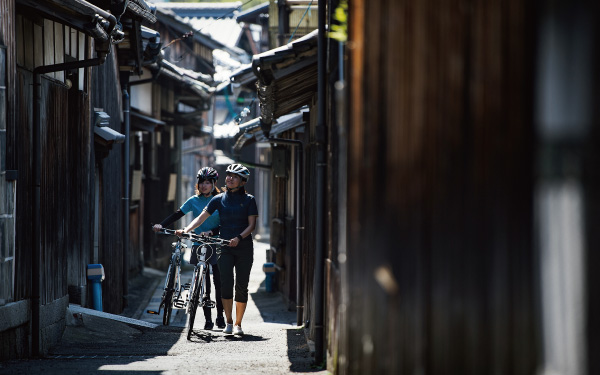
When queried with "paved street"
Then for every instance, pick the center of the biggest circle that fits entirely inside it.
(272, 343)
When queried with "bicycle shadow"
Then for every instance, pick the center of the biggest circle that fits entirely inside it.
(245, 337)
(200, 336)
(208, 337)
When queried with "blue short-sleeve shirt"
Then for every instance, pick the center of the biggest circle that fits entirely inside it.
(196, 204)
(234, 209)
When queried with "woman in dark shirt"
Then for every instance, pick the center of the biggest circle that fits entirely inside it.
(238, 213)
(206, 189)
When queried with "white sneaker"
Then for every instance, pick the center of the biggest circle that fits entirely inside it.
(237, 330)
(228, 329)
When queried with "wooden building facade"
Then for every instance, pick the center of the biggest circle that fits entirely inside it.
(471, 190)
(67, 158)
(458, 211)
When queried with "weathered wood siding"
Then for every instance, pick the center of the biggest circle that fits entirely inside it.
(105, 94)
(7, 149)
(81, 211)
(66, 212)
(440, 256)
(24, 245)
(66, 175)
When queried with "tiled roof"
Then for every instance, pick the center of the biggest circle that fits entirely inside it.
(200, 10)
(142, 9)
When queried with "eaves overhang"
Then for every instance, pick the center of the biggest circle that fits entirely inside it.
(141, 10)
(244, 76)
(188, 89)
(205, 10)
(287, 78)
(139, 121)
(191, 123)
(255, 14)
(170, 18)
(251, 131)
(81, 15)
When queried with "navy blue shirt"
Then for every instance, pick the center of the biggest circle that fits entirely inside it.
(234, 209)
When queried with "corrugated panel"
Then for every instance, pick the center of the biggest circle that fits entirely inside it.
(23, 111)
(55, 197)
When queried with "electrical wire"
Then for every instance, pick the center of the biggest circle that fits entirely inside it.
(306, 11)
(191, 32)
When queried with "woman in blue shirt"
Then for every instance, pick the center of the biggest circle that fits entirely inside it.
(238, 213)
(205, 190)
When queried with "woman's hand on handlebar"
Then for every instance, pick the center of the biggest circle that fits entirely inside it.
(234, 242)
(157, 227)
(179, 232)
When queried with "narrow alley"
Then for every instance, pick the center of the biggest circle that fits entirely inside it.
(272, 343)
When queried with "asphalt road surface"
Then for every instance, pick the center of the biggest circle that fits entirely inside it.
(272, 343)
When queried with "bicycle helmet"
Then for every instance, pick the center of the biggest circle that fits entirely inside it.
(240, 170)
(207, 173)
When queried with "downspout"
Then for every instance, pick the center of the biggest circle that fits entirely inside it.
(284, 21)
(299, 228)
(36, 170)
(126, 124)
(321, 165)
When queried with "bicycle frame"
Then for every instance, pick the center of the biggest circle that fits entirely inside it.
(172, 288)
(197, 296)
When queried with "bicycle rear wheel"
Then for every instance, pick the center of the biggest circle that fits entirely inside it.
(195, 300)
(168, 299)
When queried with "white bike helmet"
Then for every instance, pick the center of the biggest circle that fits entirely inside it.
(240, 170)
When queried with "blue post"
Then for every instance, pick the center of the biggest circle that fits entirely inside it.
(269, 269)
(97, 294)
(95, 273)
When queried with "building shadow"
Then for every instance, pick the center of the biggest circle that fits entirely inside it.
(272, 307)
(299, 352)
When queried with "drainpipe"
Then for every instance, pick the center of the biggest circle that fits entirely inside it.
(36, 170)
(299, 228)
(321, 165)
(284, 21)
(126, 118)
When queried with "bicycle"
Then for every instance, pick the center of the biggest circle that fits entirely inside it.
(173, 286)
(197, 296)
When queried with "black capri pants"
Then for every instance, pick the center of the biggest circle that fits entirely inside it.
(241, 258)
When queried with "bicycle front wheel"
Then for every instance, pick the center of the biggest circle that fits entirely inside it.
(195, 299)
(168, 300)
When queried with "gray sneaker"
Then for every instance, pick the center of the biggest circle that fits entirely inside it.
(228, 329)
(237, 330)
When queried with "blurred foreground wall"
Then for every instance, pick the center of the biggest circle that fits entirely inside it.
(473, 200)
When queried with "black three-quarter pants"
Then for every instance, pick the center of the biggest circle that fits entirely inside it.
(240, 258)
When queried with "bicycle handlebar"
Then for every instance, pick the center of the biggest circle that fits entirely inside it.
(195, 237)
